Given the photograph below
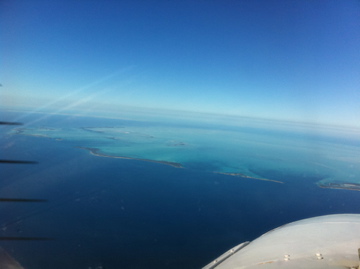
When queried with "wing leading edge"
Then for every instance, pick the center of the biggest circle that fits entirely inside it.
(331, 241)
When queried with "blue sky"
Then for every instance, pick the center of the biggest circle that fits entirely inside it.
(287, 60)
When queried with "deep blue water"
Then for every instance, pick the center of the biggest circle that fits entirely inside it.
(118, 213)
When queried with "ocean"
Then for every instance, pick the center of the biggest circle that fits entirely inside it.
(236, 183)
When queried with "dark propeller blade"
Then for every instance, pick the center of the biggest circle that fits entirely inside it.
(17, 238)
(9, 123)
(18, 162)
(21, 200)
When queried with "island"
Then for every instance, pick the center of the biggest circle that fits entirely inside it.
(97, 152)
(342, 186)
(246, 176)
(24, 131)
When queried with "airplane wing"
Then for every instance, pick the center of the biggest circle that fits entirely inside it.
(331, 242)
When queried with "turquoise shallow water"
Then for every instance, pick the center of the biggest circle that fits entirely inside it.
(123, 213)
(218, 148)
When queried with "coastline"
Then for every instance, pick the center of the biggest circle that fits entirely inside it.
(245, 176)
(96, 152)
(340, 186)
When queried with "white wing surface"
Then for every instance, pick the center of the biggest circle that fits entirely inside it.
(331, 242)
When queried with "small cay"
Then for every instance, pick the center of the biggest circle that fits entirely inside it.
(96, 152)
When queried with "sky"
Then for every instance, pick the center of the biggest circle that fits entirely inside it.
(286, 60)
